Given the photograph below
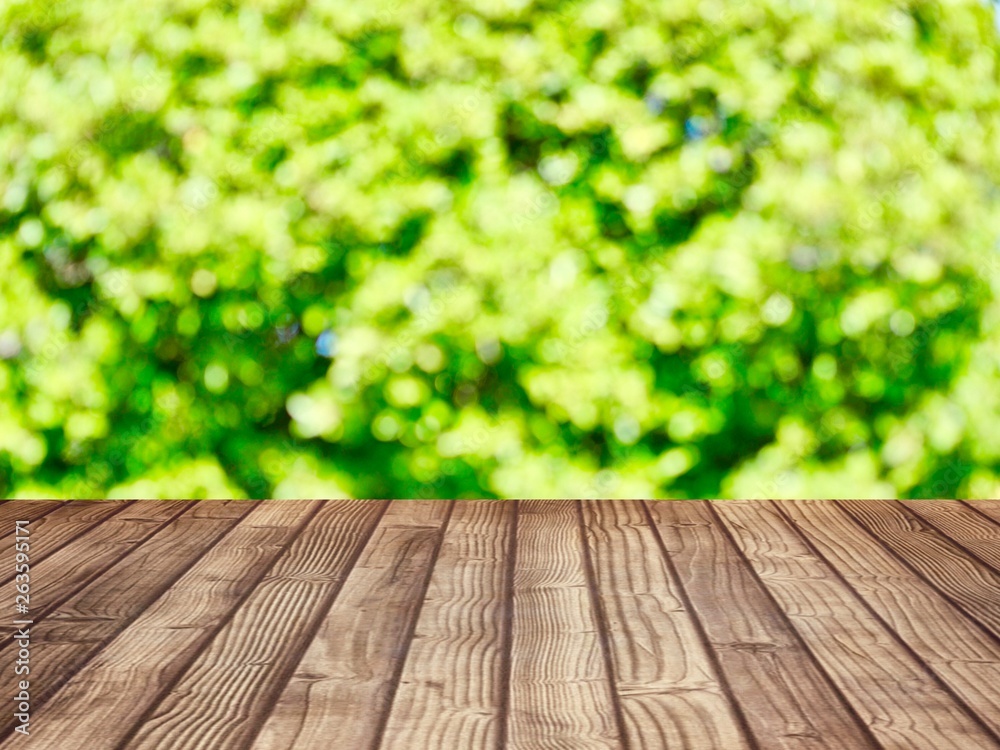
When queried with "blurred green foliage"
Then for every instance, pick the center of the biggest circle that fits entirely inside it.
(499, 248)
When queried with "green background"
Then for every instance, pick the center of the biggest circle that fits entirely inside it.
(499, 248)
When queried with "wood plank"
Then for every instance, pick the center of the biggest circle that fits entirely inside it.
(560, 688)
(23, 510)
(970, 530)
(959, 652)
(887, 686)
(550, 624)
(252, 657)
(61, 524)
(966, 582)
(88, 555)
(65, 640)
(787, 700)
(670, 692)
(450, 690)
(12, 511)
(989, 508)
(113, 692)
(342, 688)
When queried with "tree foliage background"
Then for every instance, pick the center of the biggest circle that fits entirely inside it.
(535, 248)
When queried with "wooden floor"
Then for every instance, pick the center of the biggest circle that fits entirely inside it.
(499, 624)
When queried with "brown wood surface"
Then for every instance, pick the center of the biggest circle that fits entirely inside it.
(988, 508)
(31, 511)
(13, 511)
(961, 654)
(248, 659)
(670, 690)
(110, 698)
(351, 665)
(792, 625)
(86, 622)
(788, 701)
(560, 690)
(886, 684)
(64, 572)
(961, 523)
(56, 524)
(968, 583)
(450, 692)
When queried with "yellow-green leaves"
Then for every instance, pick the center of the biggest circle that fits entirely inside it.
(499, 247)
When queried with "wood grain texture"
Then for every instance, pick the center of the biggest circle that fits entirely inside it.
(12, 511)
(670, 693)
(76, 630)
(886, 685)
(560, 689)
(341, 690)
(63, 522)
(852, 625)
(107, 699)
(76, 563)
(967, 583)
(989, 508)
(969, 529)
(960, 653)
(224, 698)
(788, 702)
(21, 510)
(450, 690)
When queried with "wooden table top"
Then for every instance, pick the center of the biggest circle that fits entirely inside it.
(405, 625)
